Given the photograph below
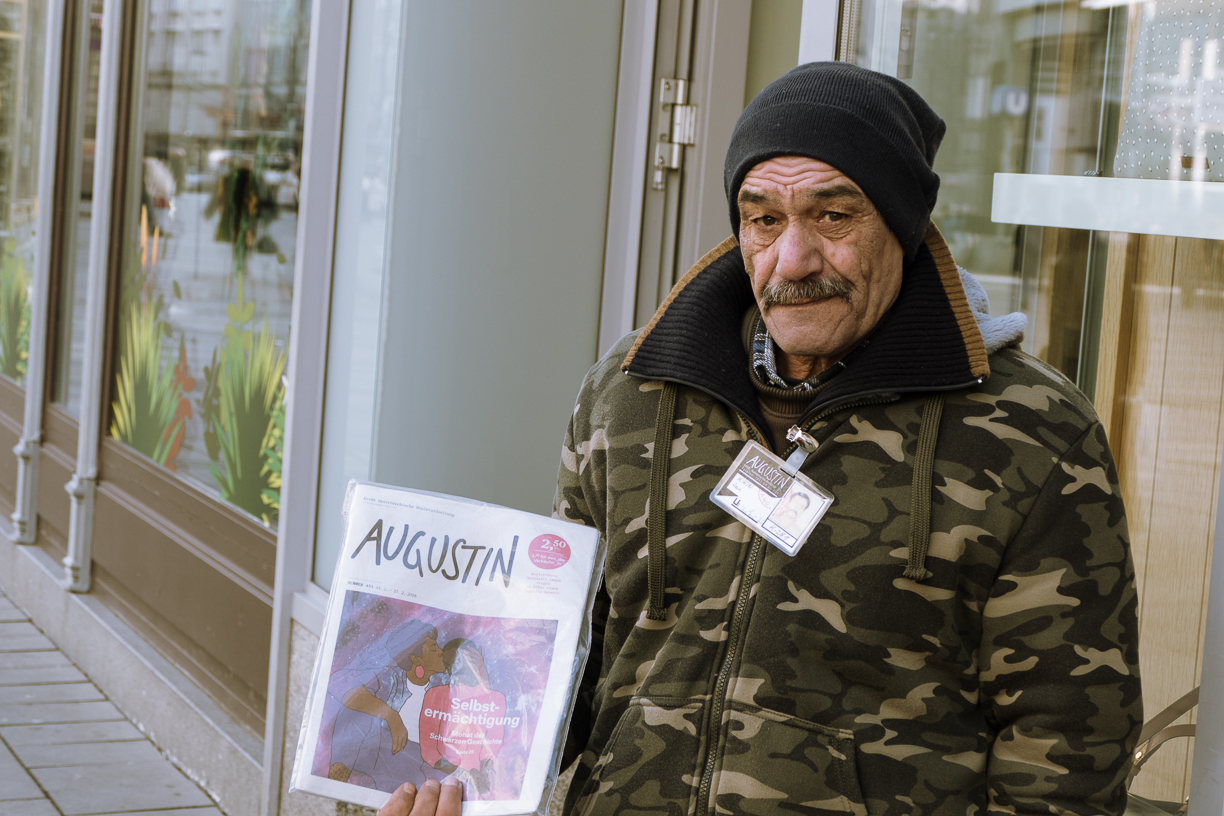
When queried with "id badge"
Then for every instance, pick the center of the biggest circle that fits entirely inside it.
(783, 509)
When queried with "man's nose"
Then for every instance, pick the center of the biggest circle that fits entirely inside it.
(798, 254)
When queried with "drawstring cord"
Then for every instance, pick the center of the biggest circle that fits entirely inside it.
(920, 498)
(656, 524)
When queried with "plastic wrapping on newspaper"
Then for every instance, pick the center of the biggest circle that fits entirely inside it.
(455, 637)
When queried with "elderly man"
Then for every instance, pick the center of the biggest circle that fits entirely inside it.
(957, 633)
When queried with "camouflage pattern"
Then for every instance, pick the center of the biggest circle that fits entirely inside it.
(1006, 682)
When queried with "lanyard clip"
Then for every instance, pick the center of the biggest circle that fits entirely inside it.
(806, 445)
(801, 438)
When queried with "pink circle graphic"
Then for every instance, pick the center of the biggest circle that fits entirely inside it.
(548, 551)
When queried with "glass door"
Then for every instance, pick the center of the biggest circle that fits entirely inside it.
(466, 278)
(1081, 184)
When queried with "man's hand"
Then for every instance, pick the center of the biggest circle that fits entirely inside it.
(431, 800)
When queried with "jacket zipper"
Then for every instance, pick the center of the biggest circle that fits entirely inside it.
(717, 703)
(738, 618)
(870, 399)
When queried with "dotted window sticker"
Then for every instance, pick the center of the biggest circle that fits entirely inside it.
(1173, 127)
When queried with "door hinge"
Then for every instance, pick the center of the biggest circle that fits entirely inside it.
(680, 119)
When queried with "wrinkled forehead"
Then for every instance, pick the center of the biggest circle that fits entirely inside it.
(790, 175)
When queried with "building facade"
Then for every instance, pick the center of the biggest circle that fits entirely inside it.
(253, 249)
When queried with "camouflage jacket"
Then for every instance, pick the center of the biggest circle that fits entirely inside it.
(958, 635)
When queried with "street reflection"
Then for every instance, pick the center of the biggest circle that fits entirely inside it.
(207, 281)
(22, 27)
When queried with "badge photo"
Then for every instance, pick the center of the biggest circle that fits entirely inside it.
(781, 508)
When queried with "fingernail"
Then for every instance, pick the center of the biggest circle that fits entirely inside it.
(451, 782)
(431, 783)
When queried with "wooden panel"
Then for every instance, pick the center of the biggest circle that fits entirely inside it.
(1171, 444)
(54, 471)
(1160, 393)
(190, 574)
(1067, 307)
(1060, 298)
(10, 434)
(233, 542)
(12, 400)
(245, 704)
(1136, 454)
(193, 574)
(1140, 433)
(1117, 319)
(59, 430)
(1199, 274)
(218, 630)
(1133, 17)
(12, 417)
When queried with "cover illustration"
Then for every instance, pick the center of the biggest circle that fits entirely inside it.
(454, 636)
(417, 693)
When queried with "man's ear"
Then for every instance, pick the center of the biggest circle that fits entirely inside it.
(416, 661)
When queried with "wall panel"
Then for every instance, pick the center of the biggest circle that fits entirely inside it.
(1168, 450)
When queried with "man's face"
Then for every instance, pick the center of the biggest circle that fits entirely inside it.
(824, 265)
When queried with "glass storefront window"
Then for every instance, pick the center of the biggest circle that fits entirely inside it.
(206, 283)
(22, 25)
(81, 127)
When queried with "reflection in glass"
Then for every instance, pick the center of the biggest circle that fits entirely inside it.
(1099, 87)
(82, 126)
(1025, 87)
(21, 62)
(211, 221)
(431, 312)
(1174, 122)
(359, 285)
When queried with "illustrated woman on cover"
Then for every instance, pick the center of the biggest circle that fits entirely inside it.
(463, 724)
(376, 737)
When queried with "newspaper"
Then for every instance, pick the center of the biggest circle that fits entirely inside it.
(455, 635)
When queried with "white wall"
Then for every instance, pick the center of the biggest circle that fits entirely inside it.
(466, 300)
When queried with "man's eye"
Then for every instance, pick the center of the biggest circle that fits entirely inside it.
(834, 216)
(765, 221)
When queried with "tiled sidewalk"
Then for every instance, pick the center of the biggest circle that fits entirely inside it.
(65, 750)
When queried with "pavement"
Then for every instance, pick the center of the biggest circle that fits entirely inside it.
(65, 750)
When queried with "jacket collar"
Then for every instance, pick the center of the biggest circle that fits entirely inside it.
(928, 341)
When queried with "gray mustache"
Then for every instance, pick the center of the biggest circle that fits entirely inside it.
(786, 293)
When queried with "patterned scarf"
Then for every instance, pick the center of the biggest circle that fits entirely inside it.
(766, 366)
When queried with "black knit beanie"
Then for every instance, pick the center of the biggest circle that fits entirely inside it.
(872, 127)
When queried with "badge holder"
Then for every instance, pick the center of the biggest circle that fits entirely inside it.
(771, 496)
